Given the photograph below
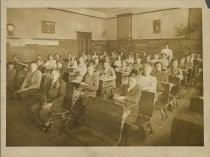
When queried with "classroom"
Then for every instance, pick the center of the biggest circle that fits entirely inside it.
(104, 77)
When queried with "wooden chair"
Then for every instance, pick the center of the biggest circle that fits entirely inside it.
(163, 99)
(185, 75)
(42, 69)
(68, 101)
(119, 77)
(66, 77)
(183, 84)
(190, 77)
(146, 104)
(174, 93)
(69, 76)
(19, 78)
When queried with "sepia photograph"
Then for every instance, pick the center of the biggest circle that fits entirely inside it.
(105, 78)
(94, 76)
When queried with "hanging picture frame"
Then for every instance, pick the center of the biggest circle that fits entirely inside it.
(156, 26)
(48, 27)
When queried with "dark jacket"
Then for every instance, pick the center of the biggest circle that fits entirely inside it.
(93, 82)
(160, 76)
(132, 95)
(55, 94)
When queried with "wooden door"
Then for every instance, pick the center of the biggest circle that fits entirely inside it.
(84, 42)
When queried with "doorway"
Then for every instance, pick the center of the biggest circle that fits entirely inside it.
(84, 42)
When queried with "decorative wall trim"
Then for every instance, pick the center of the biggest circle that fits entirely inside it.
(72, 12)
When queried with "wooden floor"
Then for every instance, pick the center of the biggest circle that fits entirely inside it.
(22, 131)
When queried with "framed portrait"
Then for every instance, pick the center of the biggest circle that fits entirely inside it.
(156, 26)
(48, 27)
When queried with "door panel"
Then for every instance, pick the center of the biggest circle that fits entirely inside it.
(84, 42)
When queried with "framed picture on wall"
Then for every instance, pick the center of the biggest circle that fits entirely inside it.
(48, 27)
(156, 26)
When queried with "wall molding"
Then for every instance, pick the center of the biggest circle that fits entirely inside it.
(146, 12)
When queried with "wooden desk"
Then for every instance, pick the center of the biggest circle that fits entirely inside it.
(187, 129)
(196, 105)
(121, 78)
(21, 75)
(106, 117)
(73, 92)
(103, 83)
(68, 69)
(69, 76)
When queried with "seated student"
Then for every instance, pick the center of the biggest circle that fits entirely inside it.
(16, 59)
(148, 61)
(84, 56)
(198, 64)
(90, 81)
(108, 73)
(130, 91)
(104, 53)
(137, 65)
(192, 57)
(69, 56)
(72, 63)
(174, 71)
(136, 55)
(107, 59)
(158, 73)
(164, 61)
(17, 63)
(182, 64)
(122, 55)
(80, 70)
(40, 66)
(130, 59)
(124, 67)
(188, 63)
(147, 82)
(51, 101)
(60, 68)
(113, 57)
(98, 66)
(143, 55)
(101, 58)
(155, 58)
(88, 58)
(94, 55)
(198, 57)
(50, 63)
(58, 57)
(117, 62)
(31, 83)
(11, 73)
(40, 60)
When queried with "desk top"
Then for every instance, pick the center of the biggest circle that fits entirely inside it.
(187, 115)
(105, 79)
(125, 104)
(123, 72)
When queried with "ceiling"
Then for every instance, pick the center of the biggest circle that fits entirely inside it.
(108, 12)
